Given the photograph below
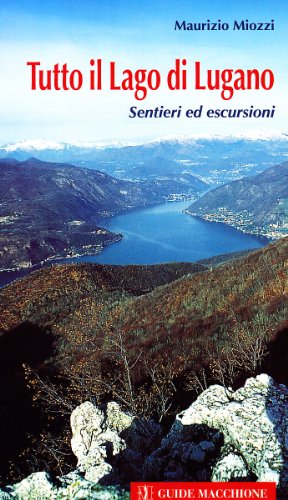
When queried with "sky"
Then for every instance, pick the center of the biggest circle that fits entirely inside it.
(135, 35)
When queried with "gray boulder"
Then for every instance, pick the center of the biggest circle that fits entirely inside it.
(39, 486)
(111, 445)
(230, 467)
(93, 442)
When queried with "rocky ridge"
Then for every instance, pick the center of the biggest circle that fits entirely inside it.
(223, 436)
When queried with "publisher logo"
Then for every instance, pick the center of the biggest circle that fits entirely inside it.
(145, 492)
(187, 491)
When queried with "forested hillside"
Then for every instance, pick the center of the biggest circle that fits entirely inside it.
(150, 337)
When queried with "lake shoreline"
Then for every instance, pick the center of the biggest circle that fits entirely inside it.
(154, 235)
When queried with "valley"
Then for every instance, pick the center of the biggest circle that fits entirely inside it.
(52, 210)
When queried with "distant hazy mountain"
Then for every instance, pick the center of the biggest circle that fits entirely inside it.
(51, 210)
(215, 159)
(257, 204)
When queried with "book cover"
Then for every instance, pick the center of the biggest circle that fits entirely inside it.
(143, 249)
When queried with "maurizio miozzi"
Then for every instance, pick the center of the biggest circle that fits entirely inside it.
(219, 25)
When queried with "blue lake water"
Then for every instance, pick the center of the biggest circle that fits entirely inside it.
(163, 233)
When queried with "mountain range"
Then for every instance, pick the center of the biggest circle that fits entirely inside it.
(215, 159)
(52, 210)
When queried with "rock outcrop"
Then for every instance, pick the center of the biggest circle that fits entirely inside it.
(40, 486)
(111, 445)
(222, 436)
(254, 424)
(246, 437)
(186, 455)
